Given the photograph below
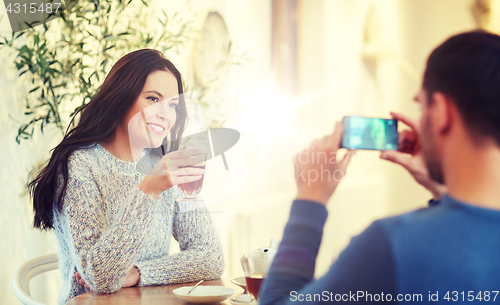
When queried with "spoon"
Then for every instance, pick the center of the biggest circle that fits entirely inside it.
(197, 284)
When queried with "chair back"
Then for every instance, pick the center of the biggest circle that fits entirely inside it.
(25, 272)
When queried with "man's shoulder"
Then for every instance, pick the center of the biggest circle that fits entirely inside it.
(426, 220)
(419, 216)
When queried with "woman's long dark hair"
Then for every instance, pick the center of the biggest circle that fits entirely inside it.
(98, 121)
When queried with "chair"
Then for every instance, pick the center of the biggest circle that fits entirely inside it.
(25, 272)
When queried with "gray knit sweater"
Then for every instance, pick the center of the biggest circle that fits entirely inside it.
(107, 226)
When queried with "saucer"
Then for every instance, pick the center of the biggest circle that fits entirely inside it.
(240, 281)
(204, 294)
(243, 299)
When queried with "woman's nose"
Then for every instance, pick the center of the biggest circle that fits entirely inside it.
(161, 115)
(162, 111)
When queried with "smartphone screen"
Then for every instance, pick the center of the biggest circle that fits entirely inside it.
(369, 133)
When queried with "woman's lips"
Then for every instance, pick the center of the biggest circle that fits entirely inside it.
(158, 129)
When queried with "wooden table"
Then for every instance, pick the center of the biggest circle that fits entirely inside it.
(147, 295)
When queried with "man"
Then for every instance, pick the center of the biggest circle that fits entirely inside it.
(448, 252)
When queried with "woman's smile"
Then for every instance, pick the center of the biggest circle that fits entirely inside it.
(157, 128)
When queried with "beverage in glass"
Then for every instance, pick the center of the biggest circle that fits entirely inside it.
(256, 266)
(190, 190)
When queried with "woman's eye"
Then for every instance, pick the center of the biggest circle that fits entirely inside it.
(154, 99)
(173, 105)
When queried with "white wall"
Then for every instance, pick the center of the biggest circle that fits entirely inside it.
(331, 69)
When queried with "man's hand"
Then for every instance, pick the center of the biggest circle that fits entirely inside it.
(131, 279)
(411, 157)
(317, 170)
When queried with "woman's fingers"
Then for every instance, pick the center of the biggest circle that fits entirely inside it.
(188, 171)
(185, 179)
(183, 153)
(79, 279)
(173, 163)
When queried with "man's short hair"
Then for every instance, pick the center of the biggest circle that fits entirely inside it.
(466, 68)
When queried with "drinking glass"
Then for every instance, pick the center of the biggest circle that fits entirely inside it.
(256, 266)
(190, 190)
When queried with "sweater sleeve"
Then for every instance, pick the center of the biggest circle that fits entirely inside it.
(200, 257)
(364, 266)
(104, 241)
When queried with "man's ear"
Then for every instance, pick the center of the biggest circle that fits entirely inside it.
(442, 112)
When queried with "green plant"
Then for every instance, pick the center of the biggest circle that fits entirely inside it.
(66, 59)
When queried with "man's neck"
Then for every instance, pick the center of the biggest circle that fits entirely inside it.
(473, 175)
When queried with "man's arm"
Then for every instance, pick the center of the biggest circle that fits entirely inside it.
(366, 264)
(363, 271)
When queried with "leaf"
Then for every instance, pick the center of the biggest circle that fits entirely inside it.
(110, 37)
(53, 72)
(34, 89)
(20, 34)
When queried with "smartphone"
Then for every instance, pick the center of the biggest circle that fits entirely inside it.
(369, 133)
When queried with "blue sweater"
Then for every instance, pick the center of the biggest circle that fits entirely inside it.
(449, 252)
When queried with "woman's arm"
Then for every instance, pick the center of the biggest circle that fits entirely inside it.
(201, 254)
(104, 241)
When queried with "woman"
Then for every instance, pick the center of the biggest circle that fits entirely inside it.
(113, 221)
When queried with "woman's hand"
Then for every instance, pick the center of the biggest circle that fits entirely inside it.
(174, 168)
(80, 281)
(131, 279)
(317, 170)
(182, 165)
(411, 157)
